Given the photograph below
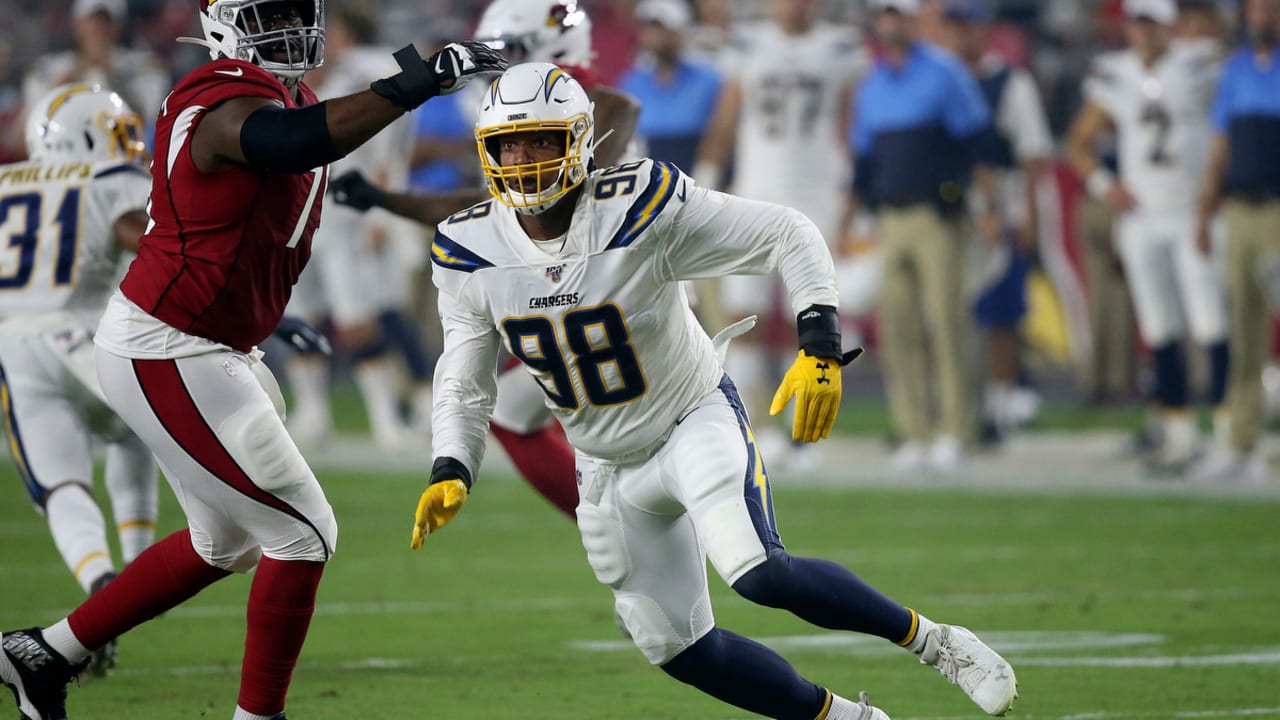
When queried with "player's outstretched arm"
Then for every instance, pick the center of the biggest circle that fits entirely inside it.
(354, 190)
(257, 132)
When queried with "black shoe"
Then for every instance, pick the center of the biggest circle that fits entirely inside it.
(36, 674)
(104, 658)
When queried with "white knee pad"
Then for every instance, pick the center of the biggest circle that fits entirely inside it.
(659, 635)
(240, 555)
(603, 539)
(730, 538)
(264, 449)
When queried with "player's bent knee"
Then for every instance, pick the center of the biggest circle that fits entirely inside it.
(659, 635)
(313, 542)
(240, 558)
(765, 583)
(605, 544)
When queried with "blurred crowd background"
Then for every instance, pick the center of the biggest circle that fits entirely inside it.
(1077, 343)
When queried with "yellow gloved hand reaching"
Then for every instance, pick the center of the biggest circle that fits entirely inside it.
(439, 503)
(814, 378)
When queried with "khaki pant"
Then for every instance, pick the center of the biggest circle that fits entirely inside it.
(924, 315)
(1111, 370)
(1253, 245)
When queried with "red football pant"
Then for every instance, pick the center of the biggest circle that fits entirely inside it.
(545, 460)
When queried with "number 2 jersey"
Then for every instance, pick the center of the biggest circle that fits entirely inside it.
(1161, 116)
(601, 322)
(223, 249)
(57, 217)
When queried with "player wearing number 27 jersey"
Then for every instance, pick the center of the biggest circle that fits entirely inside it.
(576, 272)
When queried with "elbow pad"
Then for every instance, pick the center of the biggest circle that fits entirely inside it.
(288, 141)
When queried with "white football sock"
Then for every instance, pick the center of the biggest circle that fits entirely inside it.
(923, 629)
(242, 714)
(376, 379)
(64, 642)
(843, 709)
(131, 479)
(79, 532)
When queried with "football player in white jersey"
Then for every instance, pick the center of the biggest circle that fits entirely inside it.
(69, 212)
(356, 276)
(781, 118)
(577, 273)
(1157, 94)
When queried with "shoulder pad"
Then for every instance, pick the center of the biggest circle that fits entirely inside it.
(649, 185)
(232, 78)
(107, 170)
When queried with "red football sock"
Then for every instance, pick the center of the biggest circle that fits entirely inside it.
(164, 576)
(281, 602)
(545, 460)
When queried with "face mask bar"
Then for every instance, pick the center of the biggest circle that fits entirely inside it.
(507, 182)
(295, 49)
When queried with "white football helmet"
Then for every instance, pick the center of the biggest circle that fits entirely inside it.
(532, 97)
(545, 31)
(85, 122)
(283, 37)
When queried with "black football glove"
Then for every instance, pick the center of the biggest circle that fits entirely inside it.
(355, 191)
(302, 336)
(443, 73)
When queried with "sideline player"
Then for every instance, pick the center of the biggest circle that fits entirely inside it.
(73, 209)
(240, 160)
(1157, 94)
(781, 119)
(578, 274)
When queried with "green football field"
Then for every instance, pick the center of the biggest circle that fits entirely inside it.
(1109, 606)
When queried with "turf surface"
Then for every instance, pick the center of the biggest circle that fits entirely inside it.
(1109, 607)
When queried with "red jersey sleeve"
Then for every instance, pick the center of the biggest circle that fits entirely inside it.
(585, 76)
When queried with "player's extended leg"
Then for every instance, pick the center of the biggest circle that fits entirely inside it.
(537, 446)
(405, 337)
(643, 546)
(719, 476)
(1204, 296)
(245, 489)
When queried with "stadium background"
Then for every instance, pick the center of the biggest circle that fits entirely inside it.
(1115, 595)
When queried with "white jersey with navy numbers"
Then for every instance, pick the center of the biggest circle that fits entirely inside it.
(601, 321)
(788, 142)
(58, 216)
(1161, 115)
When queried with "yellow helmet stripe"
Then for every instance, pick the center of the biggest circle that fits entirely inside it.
(64, 96)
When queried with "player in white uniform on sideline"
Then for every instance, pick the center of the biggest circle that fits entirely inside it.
(69, 212)
(355, 273)
(1157, 94)
(782, 116)
(578, 273)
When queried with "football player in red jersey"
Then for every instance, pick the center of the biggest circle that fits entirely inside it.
(239, 174)
(558, 32)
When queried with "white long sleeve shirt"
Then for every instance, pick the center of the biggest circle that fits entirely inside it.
(602, 322)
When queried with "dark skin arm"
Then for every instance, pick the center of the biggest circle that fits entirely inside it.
(430, 209)
(615, 111)
(352, 120)
(128, 229)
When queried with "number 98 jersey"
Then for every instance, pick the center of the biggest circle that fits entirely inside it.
(1161, 115)
(598, 317)
(57, 244)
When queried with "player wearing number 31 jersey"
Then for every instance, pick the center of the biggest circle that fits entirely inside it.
(577, 273)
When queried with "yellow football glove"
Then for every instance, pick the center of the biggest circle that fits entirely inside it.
(437, 506)
(815, 384)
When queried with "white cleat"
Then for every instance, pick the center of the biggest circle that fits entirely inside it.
(946, 455)
(963, 659)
